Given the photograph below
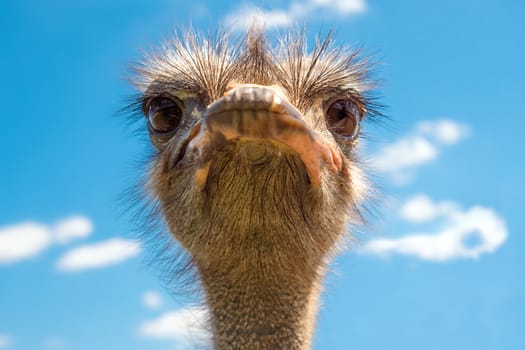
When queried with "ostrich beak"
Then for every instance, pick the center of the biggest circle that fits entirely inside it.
(255, 113)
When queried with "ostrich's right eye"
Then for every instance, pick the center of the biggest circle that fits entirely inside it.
(343, 117)
(164, 115)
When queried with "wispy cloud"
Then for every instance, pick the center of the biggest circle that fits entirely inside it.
(152, 300)
(400, 158)
(75, 227)
(55, 343)
(405, 153)
(28, 239)
(272, 18)
(444, 131)
(297, 10)
(5, 341)
(186, 326)
(421, 208)
(464, 233)
(23, 241)
(97, 255)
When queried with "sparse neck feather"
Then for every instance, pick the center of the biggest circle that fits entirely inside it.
(266, 302)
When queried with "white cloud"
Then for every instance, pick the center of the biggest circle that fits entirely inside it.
(187, 326)
(405, 153)
(22, 241)
(400, 158)
(72, 228)
(5, 341)
(465, 234)
(152, 300)
(244, 18)
(28, 239)
(444, 131)
(54, 342)
(109, 252)
(298, 10)
(421, 208)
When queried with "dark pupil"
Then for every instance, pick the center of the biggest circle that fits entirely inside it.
(164, 115)
(340, 110)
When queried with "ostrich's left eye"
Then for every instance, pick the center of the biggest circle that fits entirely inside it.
(164, 114)
(343, 117)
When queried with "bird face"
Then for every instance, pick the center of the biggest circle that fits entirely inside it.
(255, 148)
(264, 122)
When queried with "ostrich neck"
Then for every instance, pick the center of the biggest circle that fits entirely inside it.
(262, 243)
(263, 304)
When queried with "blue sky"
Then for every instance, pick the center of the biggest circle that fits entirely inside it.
(439, 267)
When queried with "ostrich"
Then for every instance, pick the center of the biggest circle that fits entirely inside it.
(255, 172)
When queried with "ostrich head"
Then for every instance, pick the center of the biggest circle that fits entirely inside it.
(256, 173)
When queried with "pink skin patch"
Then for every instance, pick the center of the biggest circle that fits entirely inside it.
(251, 112)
